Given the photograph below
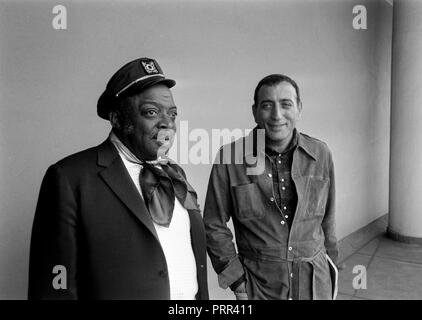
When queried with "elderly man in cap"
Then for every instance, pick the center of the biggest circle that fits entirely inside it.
(283, 217)
(120, 220)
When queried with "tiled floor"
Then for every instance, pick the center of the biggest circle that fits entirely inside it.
(393, 271)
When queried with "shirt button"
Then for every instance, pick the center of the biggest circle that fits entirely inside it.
(283, 188)
(271, 199)
(270, 175)
(286, 216)
(279, 161)
(282, 222)
(290, 248)
(282, 180)
(291, 275)
(290, 299)
(285, 208)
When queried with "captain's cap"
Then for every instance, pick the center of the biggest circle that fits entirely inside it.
(132, 78)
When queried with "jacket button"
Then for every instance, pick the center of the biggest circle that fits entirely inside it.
(162, 273)
(282, 222)
(290, 248)
(272, 199)
(201, 266)
(270, 175)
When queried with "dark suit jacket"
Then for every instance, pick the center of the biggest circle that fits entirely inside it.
(91, 219)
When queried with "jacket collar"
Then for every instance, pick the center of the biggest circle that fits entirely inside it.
(305, 144)
(107, 153)
(117, 178)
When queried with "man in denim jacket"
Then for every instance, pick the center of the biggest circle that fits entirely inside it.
(283, 217)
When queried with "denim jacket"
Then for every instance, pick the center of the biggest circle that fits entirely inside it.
(249, 201)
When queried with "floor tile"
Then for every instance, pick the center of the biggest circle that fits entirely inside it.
(399, 251)
(370, 248)
(389, 279)
(357, 298)
(341, 296)
(346, 275)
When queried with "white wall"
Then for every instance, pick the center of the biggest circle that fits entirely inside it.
(217, 51)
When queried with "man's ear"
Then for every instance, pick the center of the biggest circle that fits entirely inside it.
(300, 107)
(114, 120)
(254, 110)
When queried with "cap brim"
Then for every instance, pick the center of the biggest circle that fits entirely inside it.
(138, 87)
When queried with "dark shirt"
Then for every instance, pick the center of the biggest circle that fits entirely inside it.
(284, 187)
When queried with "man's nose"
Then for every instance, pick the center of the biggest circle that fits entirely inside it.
(166, 122)
(277, 112)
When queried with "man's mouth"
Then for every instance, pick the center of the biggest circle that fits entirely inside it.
(164, 136)
(278, 126)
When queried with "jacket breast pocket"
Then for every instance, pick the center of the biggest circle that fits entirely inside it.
(316, 196)
(248, 201)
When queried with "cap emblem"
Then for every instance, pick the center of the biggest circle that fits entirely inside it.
(149, 67)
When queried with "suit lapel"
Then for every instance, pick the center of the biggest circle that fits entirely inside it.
(117, 178)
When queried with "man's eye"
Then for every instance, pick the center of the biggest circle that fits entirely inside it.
(286, 105)
(266, 106)
(173, 114)
(151, 113)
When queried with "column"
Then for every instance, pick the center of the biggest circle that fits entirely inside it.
(405, 202)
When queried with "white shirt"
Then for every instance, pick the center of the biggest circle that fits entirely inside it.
(175, 240)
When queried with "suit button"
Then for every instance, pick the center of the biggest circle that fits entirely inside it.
(162, 273)
(201, 266)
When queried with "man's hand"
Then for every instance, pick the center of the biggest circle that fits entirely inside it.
(240, 292)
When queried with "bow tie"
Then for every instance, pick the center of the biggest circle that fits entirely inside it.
(160, 186)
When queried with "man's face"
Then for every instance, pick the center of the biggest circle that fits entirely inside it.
(277, 111)
(152, 115)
